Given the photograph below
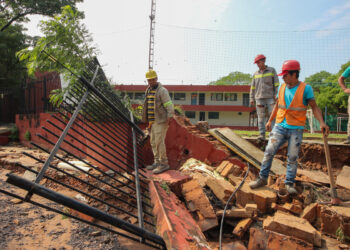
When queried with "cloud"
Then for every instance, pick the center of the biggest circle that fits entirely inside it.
(334, 18)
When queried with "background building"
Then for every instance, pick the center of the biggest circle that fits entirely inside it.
(220, 105)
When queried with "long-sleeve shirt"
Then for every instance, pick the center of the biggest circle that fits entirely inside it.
(264, 84)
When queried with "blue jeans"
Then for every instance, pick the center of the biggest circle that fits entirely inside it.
(278, 137)
(264, 113)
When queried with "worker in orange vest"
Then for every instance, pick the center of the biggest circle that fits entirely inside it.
(293, 97)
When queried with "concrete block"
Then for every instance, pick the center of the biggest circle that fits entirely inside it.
(257, 239)
(334, 217)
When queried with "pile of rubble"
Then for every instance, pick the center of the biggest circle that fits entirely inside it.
(264, 218)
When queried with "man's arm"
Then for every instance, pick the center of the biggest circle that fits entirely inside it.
(276, 83)
(167, 103)
(318, 115)
(341, 82)
(272, 116)
(252, 93)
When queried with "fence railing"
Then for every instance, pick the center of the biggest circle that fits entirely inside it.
(93, 134)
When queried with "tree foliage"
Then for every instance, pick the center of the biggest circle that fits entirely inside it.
(327, 91)
(66, 39)
(234, 78)
(18, 10)
(12, 71)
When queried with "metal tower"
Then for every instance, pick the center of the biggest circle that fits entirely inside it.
(151, 35)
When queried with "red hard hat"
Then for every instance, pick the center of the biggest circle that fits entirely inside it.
(289, 65)
(259, 57)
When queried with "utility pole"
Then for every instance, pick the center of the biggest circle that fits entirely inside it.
(151, 35)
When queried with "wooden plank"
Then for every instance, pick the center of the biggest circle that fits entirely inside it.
(245, 149)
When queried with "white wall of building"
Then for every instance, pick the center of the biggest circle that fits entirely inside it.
(226, 118)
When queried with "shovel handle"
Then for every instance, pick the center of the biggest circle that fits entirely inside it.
(329, 165)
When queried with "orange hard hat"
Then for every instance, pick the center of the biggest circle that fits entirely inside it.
(259, 57)
(289, 65)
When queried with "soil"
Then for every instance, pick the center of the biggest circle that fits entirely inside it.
(27, 226)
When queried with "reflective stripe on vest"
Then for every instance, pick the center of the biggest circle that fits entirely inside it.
(295, 114)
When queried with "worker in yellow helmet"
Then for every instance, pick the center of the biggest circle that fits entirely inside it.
(158, 109)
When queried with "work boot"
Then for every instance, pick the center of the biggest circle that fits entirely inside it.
(153, 166)
(161, 168)
(347, 141)
(290, 188)
(257, 183)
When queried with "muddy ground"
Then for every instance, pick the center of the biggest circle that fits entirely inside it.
(25, 226)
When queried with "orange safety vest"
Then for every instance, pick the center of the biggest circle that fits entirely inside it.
(295, 114)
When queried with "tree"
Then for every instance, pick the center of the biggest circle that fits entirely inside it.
(234, 78)
(66, 39)
(321, 78)
(18, 10)
(12, 71)
(327, 91)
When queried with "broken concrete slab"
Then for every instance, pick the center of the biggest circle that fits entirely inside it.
(176, 225)
(263, 197)
(310, 212)
(316, 176)
(234, 180)
(292, 226)
(197, 201)
(242, 227)
(221, 188)
(343, 179)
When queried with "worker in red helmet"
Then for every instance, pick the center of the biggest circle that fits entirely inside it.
(262, 92)
(293, 98)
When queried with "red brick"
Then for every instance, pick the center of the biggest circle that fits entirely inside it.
(292, 226)
(310, 213)
(334, 217)
(257, 239)
(174, 223)
(242, 227)
(221, 188)
(278, 241)
(222, 166)
(198, 202)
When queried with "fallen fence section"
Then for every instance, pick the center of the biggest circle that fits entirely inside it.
(95, 153)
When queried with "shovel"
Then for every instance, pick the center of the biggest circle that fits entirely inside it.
(334, 196)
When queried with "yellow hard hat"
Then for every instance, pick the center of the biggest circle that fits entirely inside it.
(151, 74)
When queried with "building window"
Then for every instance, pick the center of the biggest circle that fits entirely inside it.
(231, 97)
(246, 100)
(130, 94)
(216, 96)
(139, 96)
(180, 96)
(190, 114)
(213, 115)
(171, 95)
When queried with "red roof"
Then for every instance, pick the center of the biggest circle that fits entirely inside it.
(204, 88)
(212, 108)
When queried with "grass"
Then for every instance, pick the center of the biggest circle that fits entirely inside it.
(305, 135)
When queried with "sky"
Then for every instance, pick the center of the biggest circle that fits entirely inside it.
(199, 41)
